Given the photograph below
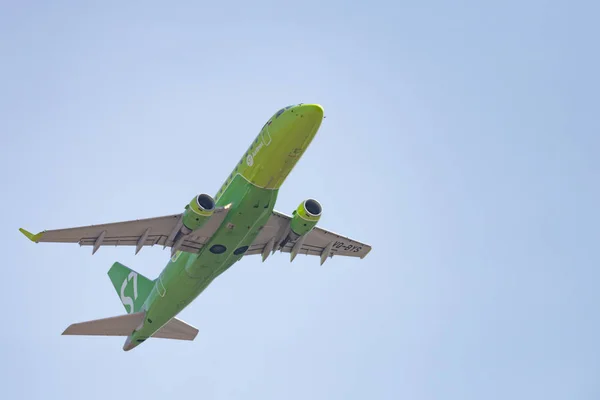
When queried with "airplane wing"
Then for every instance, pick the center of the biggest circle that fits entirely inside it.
(165, 231)
(318, 242)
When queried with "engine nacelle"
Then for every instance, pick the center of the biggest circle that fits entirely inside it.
(305, 217)
(198, 211)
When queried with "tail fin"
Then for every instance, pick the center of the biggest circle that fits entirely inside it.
(132, 287)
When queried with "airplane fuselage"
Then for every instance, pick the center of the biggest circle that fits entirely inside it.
(250, 191)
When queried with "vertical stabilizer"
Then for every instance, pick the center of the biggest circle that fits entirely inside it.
(132, 288)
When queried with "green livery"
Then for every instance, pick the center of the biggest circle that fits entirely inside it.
(132, 288)
(305, 217)
(212, 234)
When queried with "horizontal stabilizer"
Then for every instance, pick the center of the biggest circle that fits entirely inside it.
(122, 325)
(176, 329)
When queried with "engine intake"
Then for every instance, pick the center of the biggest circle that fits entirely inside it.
(312, 208)
(198, 211)
(306, 216)
(205, 202)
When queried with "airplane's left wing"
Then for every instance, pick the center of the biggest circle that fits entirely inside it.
(318, 242)
(165, 231)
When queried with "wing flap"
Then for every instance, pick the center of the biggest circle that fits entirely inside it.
(160, 226)
(139, 233)
(316, 242)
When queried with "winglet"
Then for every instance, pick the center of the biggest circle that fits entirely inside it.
(368, 251)
(34, 238)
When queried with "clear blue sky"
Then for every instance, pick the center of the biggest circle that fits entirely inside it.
(462, 140)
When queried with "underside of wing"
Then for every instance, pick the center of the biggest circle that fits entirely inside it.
(166, 231)
(318, 242)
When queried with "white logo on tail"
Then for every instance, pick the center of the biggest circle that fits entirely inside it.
(128, 301)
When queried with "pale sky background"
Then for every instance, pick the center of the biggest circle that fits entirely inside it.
(462, 141)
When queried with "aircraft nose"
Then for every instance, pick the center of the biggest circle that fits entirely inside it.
(313, 111)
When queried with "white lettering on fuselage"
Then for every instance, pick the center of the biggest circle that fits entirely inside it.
(253, 153)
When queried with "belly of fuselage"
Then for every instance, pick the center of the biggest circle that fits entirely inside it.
(187, 275)
(251, 207)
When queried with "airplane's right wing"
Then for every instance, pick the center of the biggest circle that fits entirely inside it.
(165, 231)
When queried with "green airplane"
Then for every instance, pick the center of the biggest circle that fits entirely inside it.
(212, 234)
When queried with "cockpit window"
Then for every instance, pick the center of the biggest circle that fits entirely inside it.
(283, 110)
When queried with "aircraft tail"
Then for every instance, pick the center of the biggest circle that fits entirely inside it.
(176, 329)
(133, 288)
(125, 325)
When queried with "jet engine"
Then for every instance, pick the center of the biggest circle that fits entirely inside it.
(306, 216)
(304, 219)
(198, 211)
